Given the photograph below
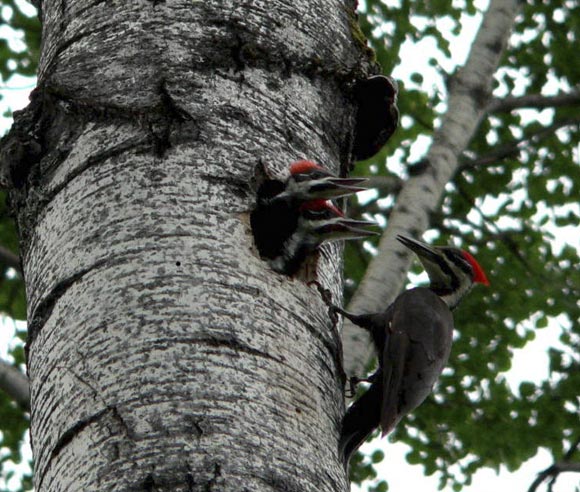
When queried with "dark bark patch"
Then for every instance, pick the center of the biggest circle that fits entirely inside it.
(238, 55)
(164, 119)
(46, 306)
(496, 46)
(236, 345)
(281, 482)
(172, 480)
(173, 110)
(24, 145)
(43, 135)
(419, 167)
(481, 97)
(213, 483)
(149, 483)
(189, 479)
(414, 232)
(76, 429)
(260, 176)
(121, 421)
(326, 296)
(196, 425)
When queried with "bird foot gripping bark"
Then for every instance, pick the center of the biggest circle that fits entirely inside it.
(354, 381)
(326, 295)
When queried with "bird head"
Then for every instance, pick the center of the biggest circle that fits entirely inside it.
(325, 222)
(309, 181)
(452, 271)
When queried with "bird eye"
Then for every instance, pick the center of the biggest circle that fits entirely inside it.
(315, 214)
(300, 177)
(309, 176)
(466, 267)
(458, 259)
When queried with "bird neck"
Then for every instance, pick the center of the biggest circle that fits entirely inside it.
(451, 296)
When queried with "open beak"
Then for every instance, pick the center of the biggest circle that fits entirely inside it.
(332, 187)
(325, 187)
(343, 229)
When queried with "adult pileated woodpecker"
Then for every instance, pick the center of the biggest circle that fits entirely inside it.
(413, 340)
(293, 218)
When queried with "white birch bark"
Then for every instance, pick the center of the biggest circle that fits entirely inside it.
(420, 196)
(164, 354)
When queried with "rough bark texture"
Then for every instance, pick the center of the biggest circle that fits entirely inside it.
(469, 93)
(164, 355)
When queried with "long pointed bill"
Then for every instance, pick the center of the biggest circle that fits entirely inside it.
(359, 223)
(348, 181)
(342, 229)
(331, 187)
(324, 188)
(421, 249)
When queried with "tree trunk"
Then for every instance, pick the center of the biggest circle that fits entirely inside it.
(164, 354)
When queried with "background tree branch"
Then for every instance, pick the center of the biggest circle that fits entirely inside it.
(536, 101)
(15, 384)
(554, 470)
(512, 149)
(10, 259)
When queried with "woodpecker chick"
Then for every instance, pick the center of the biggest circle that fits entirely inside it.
(309, 181)
(377, 116)
(412, 338)
(279, 218)
(318, 221)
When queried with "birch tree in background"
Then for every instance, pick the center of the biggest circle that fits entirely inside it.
(164, 354)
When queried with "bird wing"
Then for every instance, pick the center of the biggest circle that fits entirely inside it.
(394, 357)
(421, 328)
(428, 322)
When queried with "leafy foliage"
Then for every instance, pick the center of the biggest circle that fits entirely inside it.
(510, 211)
(19, 53)
(18, 57)
(12, 296)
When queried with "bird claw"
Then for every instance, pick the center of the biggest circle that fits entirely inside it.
(353, 382)
(350, 390)
(325, 293)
